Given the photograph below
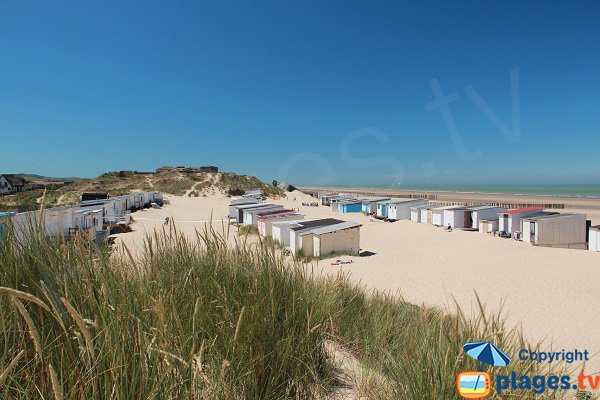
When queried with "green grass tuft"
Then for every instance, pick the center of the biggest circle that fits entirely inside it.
(205, 319)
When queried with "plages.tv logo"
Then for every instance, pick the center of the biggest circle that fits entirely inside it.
(478, 384)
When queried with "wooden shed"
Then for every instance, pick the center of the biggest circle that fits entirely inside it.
(556, 230)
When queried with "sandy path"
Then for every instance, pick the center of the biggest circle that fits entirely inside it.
(553, 293)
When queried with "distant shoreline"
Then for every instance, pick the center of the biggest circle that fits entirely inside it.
(479, 189)
(569, 201)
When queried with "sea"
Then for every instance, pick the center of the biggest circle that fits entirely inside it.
(561, 190)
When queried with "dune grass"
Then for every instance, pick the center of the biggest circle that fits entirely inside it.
(205, 319)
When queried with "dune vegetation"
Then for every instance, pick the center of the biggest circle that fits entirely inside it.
(205, 319)
(174, 182)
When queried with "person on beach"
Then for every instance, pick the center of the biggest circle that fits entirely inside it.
(166, 221)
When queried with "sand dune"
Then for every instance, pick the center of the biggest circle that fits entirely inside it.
(552, 293)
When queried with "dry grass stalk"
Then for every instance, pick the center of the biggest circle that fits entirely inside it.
(33, 333)
(12, 364)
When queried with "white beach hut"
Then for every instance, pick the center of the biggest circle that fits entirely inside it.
(475, 213)
(240, 208)
(280, 231)
(510, 221)
(594, 233)
(416, 212)
(427, 213)
(251, 214)
(437, 215)
(400, 208)
(239, 202)
(369, 206)
(456, 217)
(265, 223)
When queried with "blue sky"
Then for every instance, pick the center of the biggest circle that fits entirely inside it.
(309, 92)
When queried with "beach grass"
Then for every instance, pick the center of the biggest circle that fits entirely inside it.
(205, 319)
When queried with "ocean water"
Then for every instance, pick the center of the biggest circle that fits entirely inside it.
(587, 190)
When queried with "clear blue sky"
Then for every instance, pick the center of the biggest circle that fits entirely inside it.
(311, 91)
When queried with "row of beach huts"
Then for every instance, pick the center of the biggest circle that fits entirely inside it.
(533, 224)
(310, 237)
(95, 216)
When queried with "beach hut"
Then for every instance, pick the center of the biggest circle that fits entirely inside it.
(488, 225)
(335, 202)
(255, 193)
(369, 206)
(250, 215)
(510, 221)
(239, 202)
(239, 216)
(475, 213)
(382, 209)
(304, 226)
(556, 230)
(416, 212)
(280, 230)
(594, 233)
(437, 215)
(400, 208)
(265, 223)
(457, 217)
(343, 238)
(426, 212)
(350, 206)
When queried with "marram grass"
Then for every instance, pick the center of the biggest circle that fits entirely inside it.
(204, 319)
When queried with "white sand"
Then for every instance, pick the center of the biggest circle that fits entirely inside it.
(552, 293)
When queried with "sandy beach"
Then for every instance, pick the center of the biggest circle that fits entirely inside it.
(552, 293)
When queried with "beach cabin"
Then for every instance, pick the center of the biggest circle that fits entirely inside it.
(457, 217)
(304, 226)
(382, 209)
(488, 225)
(240, 202)
(510, 221)
(335, 202)
(400, 208)
(416, 212)
(249, 217)
(475, 213)
(343, 238)
(56, 222)
(265, 223)
(239, 217)
(437, 215)
(255, 193)
(426, 212)
(280, 230)
(350, 206)
(369, 206)
(269, 213)
(556, 230)
(326, 199)
(594, 234)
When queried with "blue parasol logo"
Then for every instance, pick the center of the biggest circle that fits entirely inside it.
(487, 353)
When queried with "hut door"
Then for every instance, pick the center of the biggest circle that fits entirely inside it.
(468, 219)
